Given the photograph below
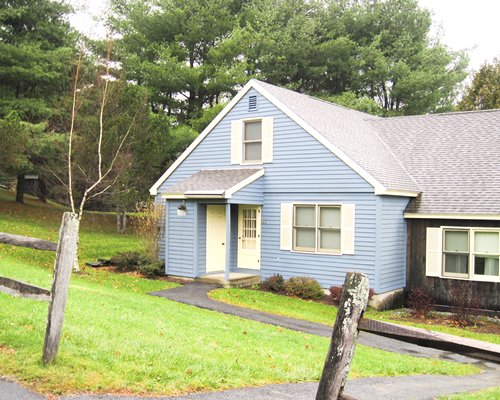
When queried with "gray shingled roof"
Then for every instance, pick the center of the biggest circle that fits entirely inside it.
(351, 132)
(211, 181)
(453, 157)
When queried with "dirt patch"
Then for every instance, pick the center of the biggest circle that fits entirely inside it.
(481, 324)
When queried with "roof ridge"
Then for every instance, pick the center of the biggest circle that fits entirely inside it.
(441, 114)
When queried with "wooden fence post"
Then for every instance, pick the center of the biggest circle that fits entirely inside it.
(338, 361)
(66, 252)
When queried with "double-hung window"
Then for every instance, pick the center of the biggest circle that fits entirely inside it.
(467, 253)
(316, 228)
(252, 142)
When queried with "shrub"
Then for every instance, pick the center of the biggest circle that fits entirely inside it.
(336, 293)
(153, 269)
(128, 261)
(150, 224)
(420, 302)
(275, 283)
(464, 301)
(303, 287)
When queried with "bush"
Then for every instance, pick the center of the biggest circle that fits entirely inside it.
(153, 269)
(150, 225)
(128, 261)
(420, 302)
(275, 283)
(336, 293)
(303, 287)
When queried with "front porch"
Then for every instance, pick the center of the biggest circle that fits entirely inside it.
(235, 279)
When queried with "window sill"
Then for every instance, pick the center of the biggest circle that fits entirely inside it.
(324, 253)
(475, 278)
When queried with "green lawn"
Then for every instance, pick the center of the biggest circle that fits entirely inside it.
(323, 313)
(486, 394)
(116, 338)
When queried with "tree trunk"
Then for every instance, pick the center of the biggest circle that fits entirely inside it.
(76, 265)
(20, 189)
(338, 361)
(121, 222)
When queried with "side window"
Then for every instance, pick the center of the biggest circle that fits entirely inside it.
(316, 228)
(486, 253)
(456, 252)
(252, 142)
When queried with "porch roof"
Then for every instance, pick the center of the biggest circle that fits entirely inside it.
(213, 183)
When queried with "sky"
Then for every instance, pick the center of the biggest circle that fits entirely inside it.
(462, 24)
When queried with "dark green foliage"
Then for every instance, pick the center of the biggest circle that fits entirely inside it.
(129, 261)
(304, 287)
(420, 302)
(35, 52)
(380, 51)
(484, 92)
(275, 283)
(152, 269)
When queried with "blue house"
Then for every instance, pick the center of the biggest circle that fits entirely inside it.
(281, 182)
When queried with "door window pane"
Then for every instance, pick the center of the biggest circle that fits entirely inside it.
(305, 216)
(456, 263)
(456, 241)
(305, 238)
(329, 240)
(253, 130)
(329, 217)
(484, 265)
(486, 242)
(253, 151)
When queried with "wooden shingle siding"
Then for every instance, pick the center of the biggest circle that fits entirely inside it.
(392, 243)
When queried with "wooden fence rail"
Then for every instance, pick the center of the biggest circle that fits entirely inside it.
(25, 241)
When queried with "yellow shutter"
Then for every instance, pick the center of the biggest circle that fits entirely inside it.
(236, 141)
(267, 139)
(286, 226)
(433, 251)
(347, 229)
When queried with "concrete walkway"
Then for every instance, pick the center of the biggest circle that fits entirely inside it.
(196, 294)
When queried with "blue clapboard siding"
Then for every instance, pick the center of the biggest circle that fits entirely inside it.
(180, 259)
(300, 162)
(250, 194)
(392, 243)
(327, 269)
(302, 170)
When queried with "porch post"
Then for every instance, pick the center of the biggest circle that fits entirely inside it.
(228, 242)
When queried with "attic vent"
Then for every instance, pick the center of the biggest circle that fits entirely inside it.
(252, 103)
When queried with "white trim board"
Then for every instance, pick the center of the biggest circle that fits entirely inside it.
(252, 83)
(218, 193)
(494, 217)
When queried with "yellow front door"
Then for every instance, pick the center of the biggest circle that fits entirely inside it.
(249, 224)
(216, 238)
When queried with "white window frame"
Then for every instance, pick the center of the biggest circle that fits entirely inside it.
(244, 142)
(317, 236)
(472, 253)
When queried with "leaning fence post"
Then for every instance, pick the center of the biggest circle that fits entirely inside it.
(338, 361)
(66, 251)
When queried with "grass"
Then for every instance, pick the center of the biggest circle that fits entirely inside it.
(324, 313)
(118, 339)
(486, 394)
